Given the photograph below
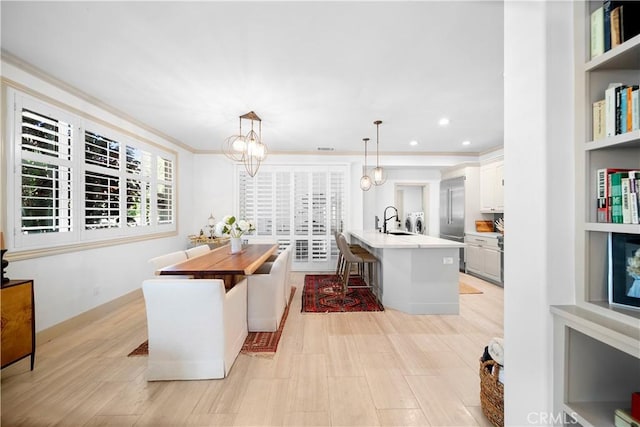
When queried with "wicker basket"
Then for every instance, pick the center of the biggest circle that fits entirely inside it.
(491, 393)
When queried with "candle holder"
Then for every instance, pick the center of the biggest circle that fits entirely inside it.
(212, 225)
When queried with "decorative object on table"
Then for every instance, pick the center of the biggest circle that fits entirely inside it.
(5, 263)
(624, 266)
(234, 229)
(379, 174)
(322, 293)
(211, 225)
(248, 148)
(365, 180)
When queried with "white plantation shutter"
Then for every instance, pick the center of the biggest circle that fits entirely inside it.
(101, 182)
(164, 191)
(138, 196)
(299, 206)
(46, 173)
(77, 180)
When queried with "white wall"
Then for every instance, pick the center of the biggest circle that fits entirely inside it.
(539, 161)
(69, 284)
(214, 182)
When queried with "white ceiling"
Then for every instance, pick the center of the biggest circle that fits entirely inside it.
(317, 73)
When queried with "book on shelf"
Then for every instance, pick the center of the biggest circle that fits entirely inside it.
(620, 22)
(625, 194)
(616, 36)
(599, 121)
(616, 196)
(607, 5)
(604, 193)
(634, 197)
(623, 109)
(635, 108)
(629, 19)
(610, 108)
(597, 32)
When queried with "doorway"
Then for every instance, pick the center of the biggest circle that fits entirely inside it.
(412, 202)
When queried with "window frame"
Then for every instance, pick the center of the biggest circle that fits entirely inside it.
(24, 246)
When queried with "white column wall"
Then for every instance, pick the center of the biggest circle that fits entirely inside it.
(539, 177)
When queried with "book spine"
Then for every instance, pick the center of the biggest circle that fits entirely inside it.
(616, 197)
(607, 25)
(635, 110)
(615, 27)
(634, 178)
(610, 109)
(618, 110)
(597, 32)
(599, 119)
(629, 120)
(601, 195)
(623, 110)
(624, 192)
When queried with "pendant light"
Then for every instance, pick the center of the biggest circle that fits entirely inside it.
(365, 181)
(379, 174)
(248, 149)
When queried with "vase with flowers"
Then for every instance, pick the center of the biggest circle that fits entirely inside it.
(234, 228)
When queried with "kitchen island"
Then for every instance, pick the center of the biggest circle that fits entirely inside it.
(417, 274)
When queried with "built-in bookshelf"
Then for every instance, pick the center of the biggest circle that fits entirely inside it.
(597, 344)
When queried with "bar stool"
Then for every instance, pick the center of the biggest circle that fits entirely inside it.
(351, 258)
(356, 249)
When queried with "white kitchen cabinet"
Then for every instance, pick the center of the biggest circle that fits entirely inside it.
(483, 257)
(492, 187)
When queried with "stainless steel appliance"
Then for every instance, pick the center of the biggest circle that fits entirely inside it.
(452, 212)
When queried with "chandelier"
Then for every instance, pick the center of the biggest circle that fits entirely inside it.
(248, 148)
(379, 174)
(365, 181)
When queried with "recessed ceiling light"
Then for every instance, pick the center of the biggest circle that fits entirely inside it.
(466, 142)
(443, 121)
(413, 143)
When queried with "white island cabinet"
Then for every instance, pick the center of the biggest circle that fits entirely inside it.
(417, 274)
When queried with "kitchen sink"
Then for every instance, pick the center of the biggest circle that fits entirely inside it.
(400, 233)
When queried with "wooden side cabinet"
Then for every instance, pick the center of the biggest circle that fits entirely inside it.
(18, 321)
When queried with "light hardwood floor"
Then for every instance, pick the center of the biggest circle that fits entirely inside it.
(339, 369)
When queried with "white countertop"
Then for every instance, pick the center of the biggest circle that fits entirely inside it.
(490, 234)
(375, 239)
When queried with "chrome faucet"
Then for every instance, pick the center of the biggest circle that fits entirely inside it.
(384, 224)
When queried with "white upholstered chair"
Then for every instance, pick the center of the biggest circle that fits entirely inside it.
(196, 330)
(265, 302)
(287, 274)
(168, 259)
(197, 251)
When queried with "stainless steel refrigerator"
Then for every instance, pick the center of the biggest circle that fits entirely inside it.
(452, 212)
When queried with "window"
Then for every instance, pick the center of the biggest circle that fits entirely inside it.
(299, 206)
(79, 181)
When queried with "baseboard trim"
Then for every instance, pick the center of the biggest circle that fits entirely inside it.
(82, 319)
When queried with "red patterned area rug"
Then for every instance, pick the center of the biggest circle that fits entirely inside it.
(256, 342)
(322, 294)
(267, 342)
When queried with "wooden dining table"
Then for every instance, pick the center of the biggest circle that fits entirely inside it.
(220, 263)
